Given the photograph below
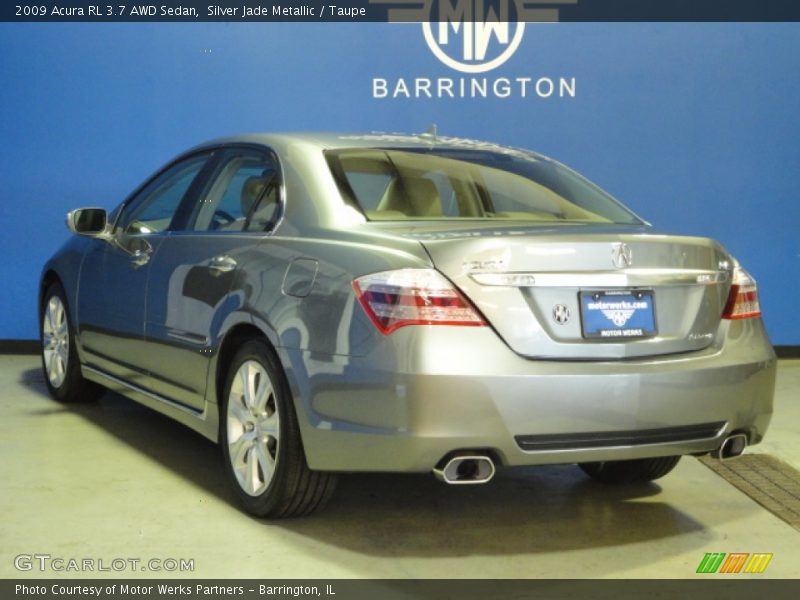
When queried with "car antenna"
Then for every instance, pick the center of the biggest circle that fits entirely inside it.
(430, 133)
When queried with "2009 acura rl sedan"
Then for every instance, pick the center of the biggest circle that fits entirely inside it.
(328, 303)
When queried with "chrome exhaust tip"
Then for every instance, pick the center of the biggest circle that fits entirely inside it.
(732, 446)
(465, 470)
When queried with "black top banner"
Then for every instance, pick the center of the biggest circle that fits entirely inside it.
(403, 10)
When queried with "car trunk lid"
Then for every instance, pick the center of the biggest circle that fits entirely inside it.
(585, 293)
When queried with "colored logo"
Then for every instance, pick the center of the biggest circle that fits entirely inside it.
(734, 562)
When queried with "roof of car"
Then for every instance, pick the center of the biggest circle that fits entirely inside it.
(330, 141)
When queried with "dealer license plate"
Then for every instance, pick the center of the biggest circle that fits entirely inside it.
(618, 314)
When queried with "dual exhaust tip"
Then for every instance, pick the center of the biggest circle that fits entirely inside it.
(465, 469)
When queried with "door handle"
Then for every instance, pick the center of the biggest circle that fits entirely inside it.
(140, 258)
(222, 264)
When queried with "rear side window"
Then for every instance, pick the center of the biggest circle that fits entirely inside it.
(369, 187)
(243, 195)
(447, 183)
(368, 175)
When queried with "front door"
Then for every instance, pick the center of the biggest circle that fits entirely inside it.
(112, 292)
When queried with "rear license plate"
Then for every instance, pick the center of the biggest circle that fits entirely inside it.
(618, 314)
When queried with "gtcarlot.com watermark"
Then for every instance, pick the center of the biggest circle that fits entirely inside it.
(59, 564)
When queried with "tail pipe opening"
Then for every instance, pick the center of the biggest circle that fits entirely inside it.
(731, 447)
(465, 469)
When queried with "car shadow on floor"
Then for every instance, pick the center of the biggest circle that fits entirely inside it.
(162, 440)
(522, 511)
(534, 509)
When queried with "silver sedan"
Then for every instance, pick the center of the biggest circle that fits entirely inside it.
(327, 303)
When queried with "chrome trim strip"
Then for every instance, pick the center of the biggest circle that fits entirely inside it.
(626, 278)
(188, 337)
(135, 388)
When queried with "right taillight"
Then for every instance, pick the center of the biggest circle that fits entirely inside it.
(743, 297)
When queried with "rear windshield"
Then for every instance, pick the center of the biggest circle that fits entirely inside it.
(430, 184)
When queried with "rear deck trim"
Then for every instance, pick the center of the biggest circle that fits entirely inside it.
(608, 439)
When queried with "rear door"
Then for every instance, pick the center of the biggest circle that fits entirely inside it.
(191, 288)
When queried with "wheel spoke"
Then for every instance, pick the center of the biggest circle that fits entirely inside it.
(62, 353)
(266, 461)
(236, 411)
(55, 369)
(51, 309)
(247, 391)
(59, 316)
(253, 478)
(59, 366)
(269, 425)
(51, 366)
(263, 394)
(237, 450)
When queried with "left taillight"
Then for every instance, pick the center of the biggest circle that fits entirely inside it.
(743, 297)
(394, 299)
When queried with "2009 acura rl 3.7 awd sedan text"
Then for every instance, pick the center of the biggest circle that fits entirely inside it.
(327, 303)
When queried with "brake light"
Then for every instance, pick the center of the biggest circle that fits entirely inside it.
(393, 299)
(743, 297)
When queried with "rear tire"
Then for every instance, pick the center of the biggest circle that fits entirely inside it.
(630, 471)
(60, 364)
(260, 439)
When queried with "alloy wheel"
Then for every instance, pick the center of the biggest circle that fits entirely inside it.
(55, 341)
(253, 428)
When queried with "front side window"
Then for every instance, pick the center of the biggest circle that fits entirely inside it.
(446, 183)
(244, 195)
(154, 207)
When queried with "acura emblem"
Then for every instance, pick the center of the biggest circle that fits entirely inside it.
(560, 314)
(621, 256)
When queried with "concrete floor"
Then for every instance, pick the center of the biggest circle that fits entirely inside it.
(115, 480)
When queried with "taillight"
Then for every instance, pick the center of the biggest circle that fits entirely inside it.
(743, 297)
(393, 299)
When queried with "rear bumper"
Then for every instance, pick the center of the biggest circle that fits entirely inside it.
(431, 391)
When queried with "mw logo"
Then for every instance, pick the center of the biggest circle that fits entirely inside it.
(474, 36)
(735, 562)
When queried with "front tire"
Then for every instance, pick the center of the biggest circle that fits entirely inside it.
(60, 364)
(630, 471)
(260, 439)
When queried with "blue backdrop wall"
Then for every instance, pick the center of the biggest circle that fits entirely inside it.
(695, 126)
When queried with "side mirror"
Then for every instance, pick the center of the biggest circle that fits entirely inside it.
(87, 221)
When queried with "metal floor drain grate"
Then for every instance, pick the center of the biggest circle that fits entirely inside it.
(769, 481)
